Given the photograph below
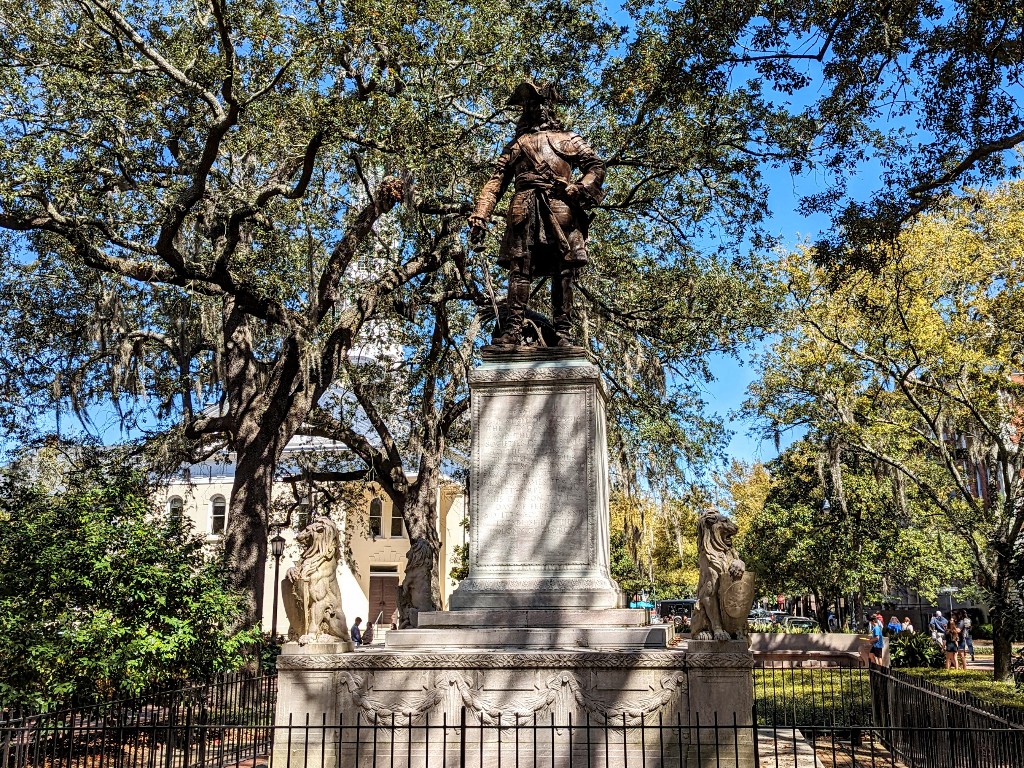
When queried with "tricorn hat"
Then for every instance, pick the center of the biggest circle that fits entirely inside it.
(526, 92)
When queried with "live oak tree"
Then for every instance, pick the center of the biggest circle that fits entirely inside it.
(197, 196)
(400, 408)
(195, 190)
(892, 106)
(917, 369)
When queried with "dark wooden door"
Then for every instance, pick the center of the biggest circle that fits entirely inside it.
(383, 597)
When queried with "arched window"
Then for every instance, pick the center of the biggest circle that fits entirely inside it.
(175, 509)
(218, 515)
(376, 517)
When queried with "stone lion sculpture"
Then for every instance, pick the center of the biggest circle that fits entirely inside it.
(725, 590)
(312, 597)
(415, 593)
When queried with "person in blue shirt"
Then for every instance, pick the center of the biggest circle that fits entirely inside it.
(938, 626)
(876, 633)
(357, 635)
(894, 625)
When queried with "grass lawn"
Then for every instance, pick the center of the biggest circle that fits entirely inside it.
(976, 682)
(984, 647)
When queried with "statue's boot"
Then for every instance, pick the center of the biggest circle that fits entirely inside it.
(561, 306)
(518, 295)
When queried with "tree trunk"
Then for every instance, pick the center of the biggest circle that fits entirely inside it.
(821, 611)
(1002, 625)
(245, 540)
(421, 587)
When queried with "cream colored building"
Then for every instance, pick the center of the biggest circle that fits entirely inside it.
(376, 537)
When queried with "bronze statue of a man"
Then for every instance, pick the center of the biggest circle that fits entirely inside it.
(547, 220)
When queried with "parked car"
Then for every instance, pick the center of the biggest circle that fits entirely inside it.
(759, 619)
(678, 612)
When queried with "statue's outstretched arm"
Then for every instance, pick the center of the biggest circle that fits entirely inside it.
(492, 191)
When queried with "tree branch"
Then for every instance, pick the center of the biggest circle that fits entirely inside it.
(389, 194)
(973, 157)
(153, 55)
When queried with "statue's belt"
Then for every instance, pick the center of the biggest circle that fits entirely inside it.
(531, 182)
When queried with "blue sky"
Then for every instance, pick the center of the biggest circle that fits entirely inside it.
(732, 376)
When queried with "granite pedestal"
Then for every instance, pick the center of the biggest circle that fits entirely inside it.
(536, 658)
(538, 520)
(552, 708)
(619, 709)
(721, 704)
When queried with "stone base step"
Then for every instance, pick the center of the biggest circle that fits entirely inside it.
(537, 618)
(550, 638)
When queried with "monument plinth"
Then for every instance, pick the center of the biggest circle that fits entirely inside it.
(538, 486)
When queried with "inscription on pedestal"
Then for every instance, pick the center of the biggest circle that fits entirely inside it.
(538, 487)
(532, 460)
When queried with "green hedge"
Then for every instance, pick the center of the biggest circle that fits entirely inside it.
(829, 696)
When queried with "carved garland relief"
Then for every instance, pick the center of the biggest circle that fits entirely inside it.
(561, 694)
(597, 660)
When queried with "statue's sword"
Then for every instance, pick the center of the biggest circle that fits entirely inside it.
(485, 267)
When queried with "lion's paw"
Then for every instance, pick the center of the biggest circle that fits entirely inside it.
(705, 635)
(721, 634)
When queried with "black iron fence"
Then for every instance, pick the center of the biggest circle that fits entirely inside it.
(966, 731)
(467, 741)
(223, 719)
(835, 697)
(803, 718)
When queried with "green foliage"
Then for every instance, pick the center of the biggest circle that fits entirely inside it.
(828, 696)
(914, 368)
(876, 538)
(461, 571)
(99, 596)
(625, 571)
(981, 632)
(915, 649)
(924, 90)
(654, 546)
(974, 682)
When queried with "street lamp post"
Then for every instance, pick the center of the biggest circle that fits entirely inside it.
(948, 592)
(277, 549)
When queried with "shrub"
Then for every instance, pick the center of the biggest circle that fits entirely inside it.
(99, 596)
(981, 631)
(836, 697)
(915, 649)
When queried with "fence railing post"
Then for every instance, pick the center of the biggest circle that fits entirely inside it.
(462, 738)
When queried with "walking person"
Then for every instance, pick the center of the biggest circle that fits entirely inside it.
(938, 626)
(878, 645)
(951, 642)
(961, 645)
(968, 639)
(357, 635)
(894, 625)
(907, 626)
